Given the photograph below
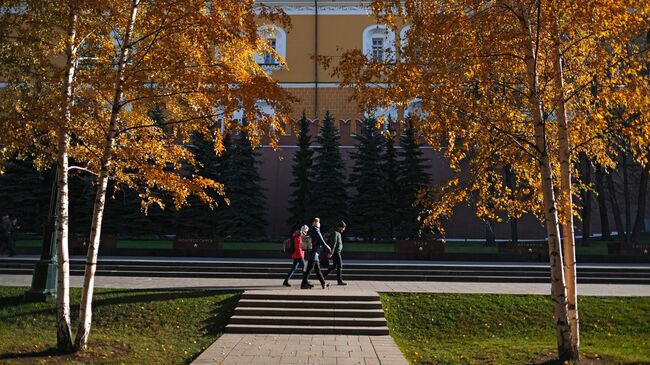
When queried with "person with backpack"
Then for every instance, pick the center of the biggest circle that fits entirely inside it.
(336, 241)
(297, 254)
(318, 245)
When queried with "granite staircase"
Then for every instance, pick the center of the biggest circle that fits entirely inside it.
(315, 312)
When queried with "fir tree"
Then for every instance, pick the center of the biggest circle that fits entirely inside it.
(329, 197)
(124, 215)
(245, 217)
(368, 205)
(302, 171)
(391, 172)
(25, 194)
(198, 218)
(412, 177)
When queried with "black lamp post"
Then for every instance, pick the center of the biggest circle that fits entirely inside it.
(46, 269)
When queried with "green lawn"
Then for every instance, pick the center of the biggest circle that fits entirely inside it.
(277, 246)
(146, 244)
(513, 329)
(129, 326)
(29, 243)
(593, 248)
(469, 248)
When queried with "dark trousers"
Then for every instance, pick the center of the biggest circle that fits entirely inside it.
(294, 267)
(8, 244)
(337, 263)
(311, 266)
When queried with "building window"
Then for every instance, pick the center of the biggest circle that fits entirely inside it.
(385, 115)
(378, 43)
(414, 110)
(269, 58)
(378, 49)
(277, 39)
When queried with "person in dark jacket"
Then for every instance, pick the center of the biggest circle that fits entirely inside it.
(318, 246)
(337, 247)
(8, 228)
(298, 255)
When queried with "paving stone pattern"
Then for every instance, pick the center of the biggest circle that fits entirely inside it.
(240, 349)
(318, 338)
(618, 290)
(309, 312)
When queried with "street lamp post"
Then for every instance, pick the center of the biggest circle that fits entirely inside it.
(45, 270)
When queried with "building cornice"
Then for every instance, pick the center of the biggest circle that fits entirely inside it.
(324, 7)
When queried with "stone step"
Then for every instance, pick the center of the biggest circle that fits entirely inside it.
(392, 268)
(303, 312)
(314, 330)
(583, 278)
(302, 303)
(310, 295)
(309, 321)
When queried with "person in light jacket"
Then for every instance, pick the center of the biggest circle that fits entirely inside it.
(298, 254)
(318, 245)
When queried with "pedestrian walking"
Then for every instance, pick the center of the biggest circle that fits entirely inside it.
(298, 254)
(337, 247)
(318, 246)
(8, 228)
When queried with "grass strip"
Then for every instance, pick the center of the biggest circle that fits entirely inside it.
(146, 244)
(129, 326)
(513, 329)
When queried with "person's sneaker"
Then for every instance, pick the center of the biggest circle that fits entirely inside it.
(310, 285)
(342, 283)
(286, 283)
(305, 287)
(325, 285)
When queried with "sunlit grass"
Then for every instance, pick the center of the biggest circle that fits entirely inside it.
(129, 326)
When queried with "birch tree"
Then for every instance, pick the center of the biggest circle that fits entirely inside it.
(508, 83)
(40, 42)
(184, 56)
(194, 59)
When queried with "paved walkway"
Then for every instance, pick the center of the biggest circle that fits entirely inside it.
(236, 349)
(347, 261)
(378, 286)
(304, 348)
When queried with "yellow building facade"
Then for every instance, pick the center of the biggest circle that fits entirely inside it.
(323, 28)
(329, 28)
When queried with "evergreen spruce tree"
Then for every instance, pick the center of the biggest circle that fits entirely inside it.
(25, 194)
(329, 197)
(81, 195)
(391, 170)
(245, 217)
(412, 177)
(124, 215)
(198, 219)
(368, 205)
(302, 171)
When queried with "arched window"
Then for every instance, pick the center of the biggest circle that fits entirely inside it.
(277, 39)
(404, 36)
(385, 114)
(378, 43)
(414, 110)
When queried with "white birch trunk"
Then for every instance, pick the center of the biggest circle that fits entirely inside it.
(85, 311)
(64, 333)
(558, 288)
(566, 201)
